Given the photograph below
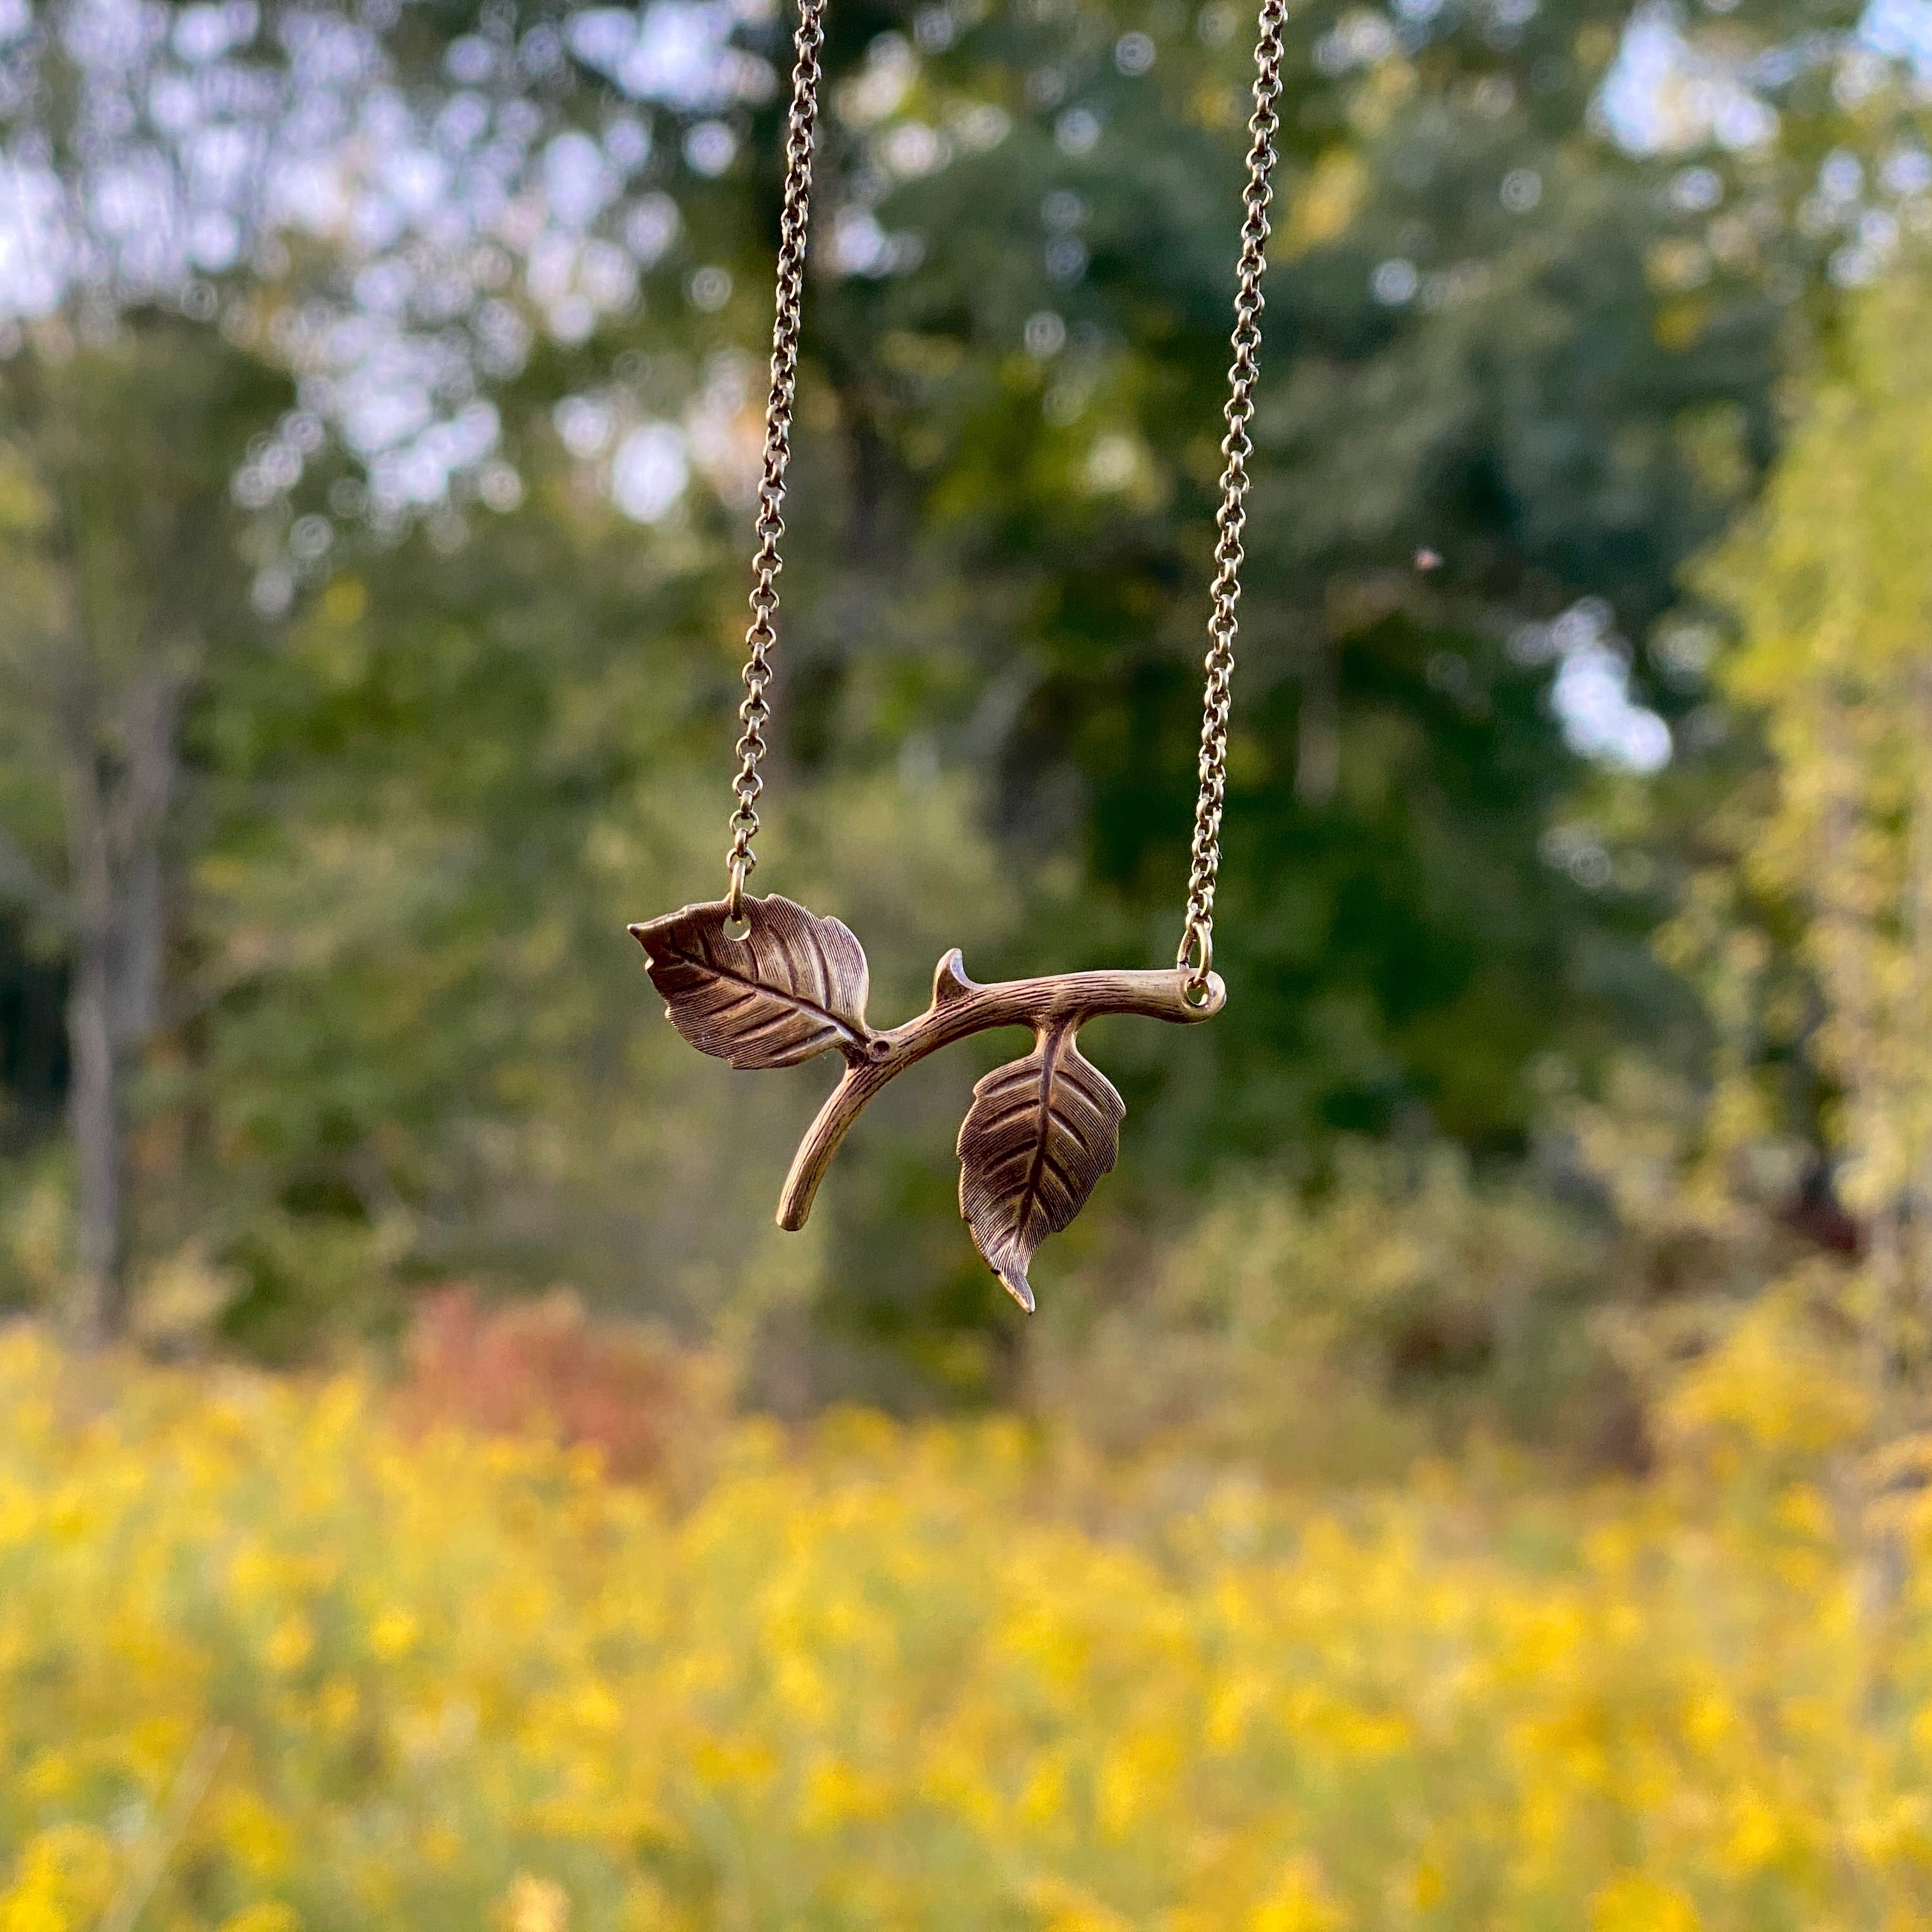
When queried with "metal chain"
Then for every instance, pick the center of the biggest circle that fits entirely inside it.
(762, 637)
(1197, 938)
(1197, 945)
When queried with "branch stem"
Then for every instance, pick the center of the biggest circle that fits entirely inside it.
(960, 1007)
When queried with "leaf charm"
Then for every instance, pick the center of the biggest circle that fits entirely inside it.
(793, 986)
(1039, 1133)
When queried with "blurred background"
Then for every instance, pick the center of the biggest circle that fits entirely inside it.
(1470, 1467)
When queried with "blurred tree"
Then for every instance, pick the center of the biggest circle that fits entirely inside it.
(120, 555)
(1834, 839)
(1470, 353)
(1467, 353)
(503, 272)
(250, 267)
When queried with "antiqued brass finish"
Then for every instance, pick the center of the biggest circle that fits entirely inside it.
(792, 986)
(1041, 1131)
(763, 982)
(1197, 934)
(787, 319)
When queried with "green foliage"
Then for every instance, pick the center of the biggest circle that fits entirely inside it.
(1813, 926)
(1340, 1332)
(1394, 940)
(429, 772)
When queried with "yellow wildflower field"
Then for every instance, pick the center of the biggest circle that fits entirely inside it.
(268, 1663)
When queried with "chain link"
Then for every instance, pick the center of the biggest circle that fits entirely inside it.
(755, 713)
(1197, 939)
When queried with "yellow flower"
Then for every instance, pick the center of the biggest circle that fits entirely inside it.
(271, 1915)
(1297, 1903)
(258, 1840)
(62, 1881)
(534, 1904)
(393, 1633)
(836, 1793)
(1756, 1836)
(1060, 1906)
(1632, 1903)
(290, 1644)
(1426, 1886)
(889, 1677)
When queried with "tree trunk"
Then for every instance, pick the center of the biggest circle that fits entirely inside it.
(108, 653)
(117, 810)
(94, 1116)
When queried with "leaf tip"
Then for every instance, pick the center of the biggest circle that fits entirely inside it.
(1015, 1283)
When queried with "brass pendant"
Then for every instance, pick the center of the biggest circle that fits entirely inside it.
(1041, 1131)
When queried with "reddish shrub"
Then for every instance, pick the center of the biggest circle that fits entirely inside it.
(544, 1368)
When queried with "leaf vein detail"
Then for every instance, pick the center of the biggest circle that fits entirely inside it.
(761, 987)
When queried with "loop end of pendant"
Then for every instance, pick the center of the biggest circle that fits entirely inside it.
(1204, 997)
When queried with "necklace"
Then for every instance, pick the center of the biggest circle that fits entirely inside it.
(763, 982)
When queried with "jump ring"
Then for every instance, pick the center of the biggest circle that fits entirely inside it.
(1197, 955)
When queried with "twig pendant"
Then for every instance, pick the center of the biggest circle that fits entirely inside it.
(1041, 1131)
(763, 982)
